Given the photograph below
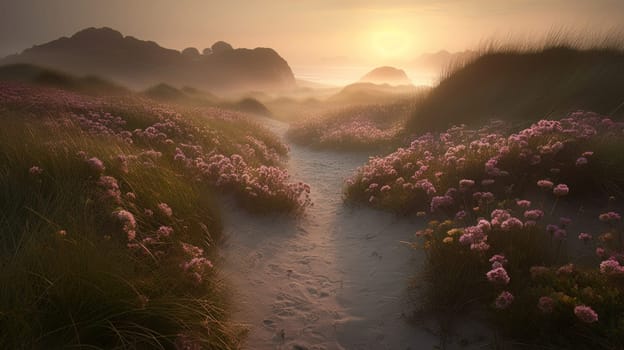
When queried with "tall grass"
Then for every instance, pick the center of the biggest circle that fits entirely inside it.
(109, 223)
(68, 276)
(529, 230)
(525, 80)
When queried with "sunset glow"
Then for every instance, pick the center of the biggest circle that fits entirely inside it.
(311, 174)
(391, 43)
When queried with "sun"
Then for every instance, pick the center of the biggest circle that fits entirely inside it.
(390, 43)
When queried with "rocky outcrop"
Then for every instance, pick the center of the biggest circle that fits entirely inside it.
(386, 75)
(137, 63)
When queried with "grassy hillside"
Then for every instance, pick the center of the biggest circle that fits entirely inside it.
(108, 222)
(525, 86)
(31, 74)
(525, 227)
(371, 126)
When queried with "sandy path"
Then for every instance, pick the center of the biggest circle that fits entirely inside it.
(335, 279)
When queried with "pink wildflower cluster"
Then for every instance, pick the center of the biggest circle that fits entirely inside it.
(498, 275)
(165, 209)
(356, 126)
(195, 265)
(585, 314)
(265, 183)
(128, 223)
(504, 300)
(109, 189)
(610, 217)
(201, 150)
(611, 267)
(498, 260)
(35, 170)
(433, 163)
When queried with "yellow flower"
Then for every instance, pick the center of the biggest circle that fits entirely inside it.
(606, 237)
(434, 223)
(447, 240)
(455, 231)
(446, 224)
(564, 298)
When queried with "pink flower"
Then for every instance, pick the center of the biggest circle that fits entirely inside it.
(479, 246)
(511, 224)
(499, 260)
(566, 269)
(164, 231)
(438, 202)
(546, 305)
(609, 217)
(546, 184)
(465, 184)
(385, 188)
(165, 209)
(484, 225)
(487, 182)
(611, 267)
(535, 214)
(498, 276)
(564, 221)
(600, 252)
(585, 237)
(110, 188)
(523, 203)
(560, 234)
(35, 170)
(128, 221)
(561, 190)
(580, 161)
(466, 239)
(586, 314)
(96, 164)
(503, 300)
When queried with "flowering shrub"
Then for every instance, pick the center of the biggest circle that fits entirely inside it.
(520, 274)
(359, 127)
(109, 225)
(436, 171)
(499, 242)
(224, 148)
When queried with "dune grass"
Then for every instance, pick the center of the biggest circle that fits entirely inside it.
(70, 277)
(363, 127)
(524, 81)
(525, 225)
(109, 218)
(32, 74)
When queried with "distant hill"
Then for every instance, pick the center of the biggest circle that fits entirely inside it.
(34, 75)
(369, 93)
(107, 53)
(525, 86)
(386, 75)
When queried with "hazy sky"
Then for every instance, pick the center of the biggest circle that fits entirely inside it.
(306, 32)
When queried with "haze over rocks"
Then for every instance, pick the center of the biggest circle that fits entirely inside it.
(138, 63)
